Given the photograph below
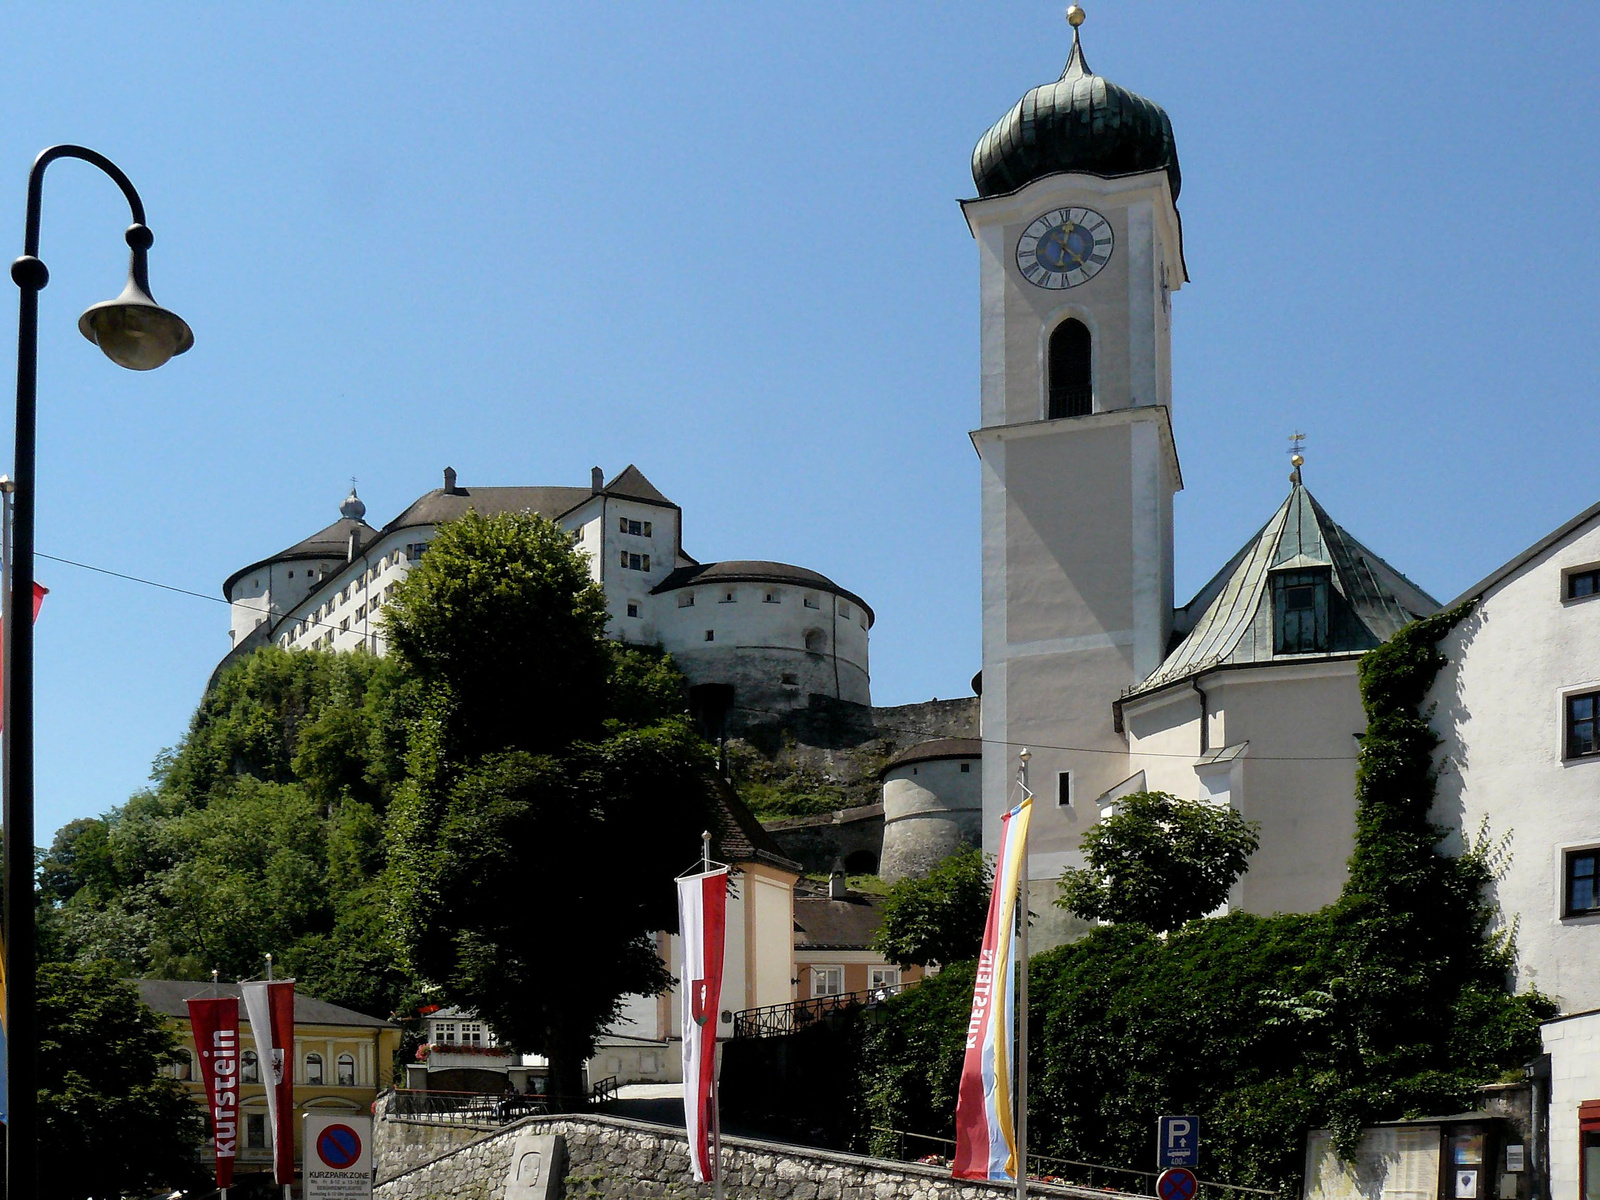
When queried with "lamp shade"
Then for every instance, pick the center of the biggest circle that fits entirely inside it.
(134, 331)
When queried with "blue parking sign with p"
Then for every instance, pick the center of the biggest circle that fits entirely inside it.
(1178, 1142)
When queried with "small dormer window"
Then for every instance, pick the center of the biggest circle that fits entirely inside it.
(1300, 612)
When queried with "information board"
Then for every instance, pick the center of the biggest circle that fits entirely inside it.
(1178, 1143)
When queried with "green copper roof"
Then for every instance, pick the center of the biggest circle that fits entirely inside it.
(1081, 122)
(1368, 601)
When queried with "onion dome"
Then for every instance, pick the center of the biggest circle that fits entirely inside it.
(353, 508)
(1082, 122)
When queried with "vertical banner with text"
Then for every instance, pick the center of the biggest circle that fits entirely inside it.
(702, 920)
(270, 1008)
(986, 1145)
(216, 1041)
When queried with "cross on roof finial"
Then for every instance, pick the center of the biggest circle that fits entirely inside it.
(1297, 443)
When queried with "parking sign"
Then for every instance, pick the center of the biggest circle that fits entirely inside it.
(1178, 1143)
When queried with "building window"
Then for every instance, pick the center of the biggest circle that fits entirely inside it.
(1583, 583)
(685, 599)
(827, 981)
(1300, 612)
(255, 1131)
(291, 574)
(361, 612)
(1583, 725)
(313, 1068)
(966, 768)
(182, 1066)
(711, 635)
(415, 550)
(790, 679)
(770, 598)
(727, 598)
(636, 528)
(811, 602)
(249, 1067)
(815, 641)
(1583, 882)
(344, 625)
(633, 610)
(883, 979)
(347, 1071)
(1071, 370)
(634, 562)
(844, 609)
(1063, 789)
(1589, 1164)
(445, 1033)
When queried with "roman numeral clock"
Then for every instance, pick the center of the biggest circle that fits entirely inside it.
(1064, 247)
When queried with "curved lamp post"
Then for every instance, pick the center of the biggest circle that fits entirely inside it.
(137, 333)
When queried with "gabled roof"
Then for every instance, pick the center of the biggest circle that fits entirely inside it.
(738, 836)
(1555, 537)
(167, 996)
(825, 924)
(632, 485)
(1370, 601)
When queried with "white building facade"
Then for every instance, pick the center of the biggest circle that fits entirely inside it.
(766, 635)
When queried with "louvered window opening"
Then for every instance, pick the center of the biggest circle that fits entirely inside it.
(1300, 612)
(1071, 369)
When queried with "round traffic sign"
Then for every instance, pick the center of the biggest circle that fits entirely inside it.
(339, 1146)
(1177, 1183)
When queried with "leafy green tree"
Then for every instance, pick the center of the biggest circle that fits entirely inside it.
(1160, 861)
(938, 918)
(555, 788)
(112, 1122)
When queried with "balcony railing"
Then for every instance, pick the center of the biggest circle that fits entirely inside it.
(775, 1020)
(479, 1108)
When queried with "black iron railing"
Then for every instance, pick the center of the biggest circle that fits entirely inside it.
(777, 1019)
(473, 1108)
(938, 1151)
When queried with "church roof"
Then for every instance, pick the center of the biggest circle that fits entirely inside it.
(1082, 122)
(1369, 600)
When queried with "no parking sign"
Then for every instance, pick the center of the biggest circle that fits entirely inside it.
(338, 1157)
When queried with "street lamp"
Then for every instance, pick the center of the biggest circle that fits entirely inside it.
(137, 333)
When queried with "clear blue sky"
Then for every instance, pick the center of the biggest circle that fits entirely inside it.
(721, 241)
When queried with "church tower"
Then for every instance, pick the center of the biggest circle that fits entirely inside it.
(1080, 248)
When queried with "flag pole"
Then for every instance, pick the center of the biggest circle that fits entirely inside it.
(716, 1060)
(1022, 999)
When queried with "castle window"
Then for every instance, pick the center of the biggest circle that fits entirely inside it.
(1583, 583)
(633, 610)
(1300, 612)
(1583, 883)
(844, 609)
(814, 641)
(1583, 725)
(1071, 375)
(770, 598)
(711, 635)
(727, 598)
(811, 602)
(966, 768)
(634, 562)
(291, 574)
(1064, 789)
(790, 679)
(685, 599)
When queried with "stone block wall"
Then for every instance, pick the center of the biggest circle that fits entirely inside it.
(610, 1158)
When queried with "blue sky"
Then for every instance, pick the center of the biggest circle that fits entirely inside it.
(721, 241)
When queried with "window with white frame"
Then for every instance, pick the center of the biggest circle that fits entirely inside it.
(883, 979)
(1582, 872)
(249, 1067)
(634, 562)
(827, 981)
(347, 1070)
(313, 1068)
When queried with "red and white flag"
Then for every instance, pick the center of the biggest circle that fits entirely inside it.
(270, 1009)
(216, 1040)
(702, 920)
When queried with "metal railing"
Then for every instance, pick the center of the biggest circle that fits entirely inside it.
(1046, 1169)
(777, 1019)
(473, 1108)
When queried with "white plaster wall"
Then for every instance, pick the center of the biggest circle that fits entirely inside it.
(1500, 712)
(1573, 1045)
(772, 937)
(931, 810)
(761, 635)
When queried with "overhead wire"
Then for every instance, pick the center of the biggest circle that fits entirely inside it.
(990, 741)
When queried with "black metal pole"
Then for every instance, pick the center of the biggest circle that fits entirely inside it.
(16, 734)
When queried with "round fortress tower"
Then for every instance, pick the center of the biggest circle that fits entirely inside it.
(932, 805)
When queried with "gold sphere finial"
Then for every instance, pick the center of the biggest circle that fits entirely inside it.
(1075, 16)
(1297, 460)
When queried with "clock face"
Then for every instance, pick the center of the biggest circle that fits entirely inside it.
(1065, 247)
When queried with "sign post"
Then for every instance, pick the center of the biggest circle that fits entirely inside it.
(338, 1157)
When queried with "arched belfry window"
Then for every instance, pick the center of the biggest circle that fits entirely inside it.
(1071, 377)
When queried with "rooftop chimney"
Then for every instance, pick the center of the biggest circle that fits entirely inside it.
(449, 481)
(837, 888)
(597, 480)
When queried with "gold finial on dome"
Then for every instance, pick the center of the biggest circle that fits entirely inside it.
(1297, 443)
(1075, 16)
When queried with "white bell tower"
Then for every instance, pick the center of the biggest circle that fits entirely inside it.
(1080, 249)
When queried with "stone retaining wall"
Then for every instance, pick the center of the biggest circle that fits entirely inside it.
(610, 1158)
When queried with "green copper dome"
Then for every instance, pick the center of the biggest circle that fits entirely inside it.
(1079, 123)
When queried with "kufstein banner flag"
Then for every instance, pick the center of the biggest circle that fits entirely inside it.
(270, 1009)
(39, 593)
(702, 920)
(986, 1138)
(216, 1041)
